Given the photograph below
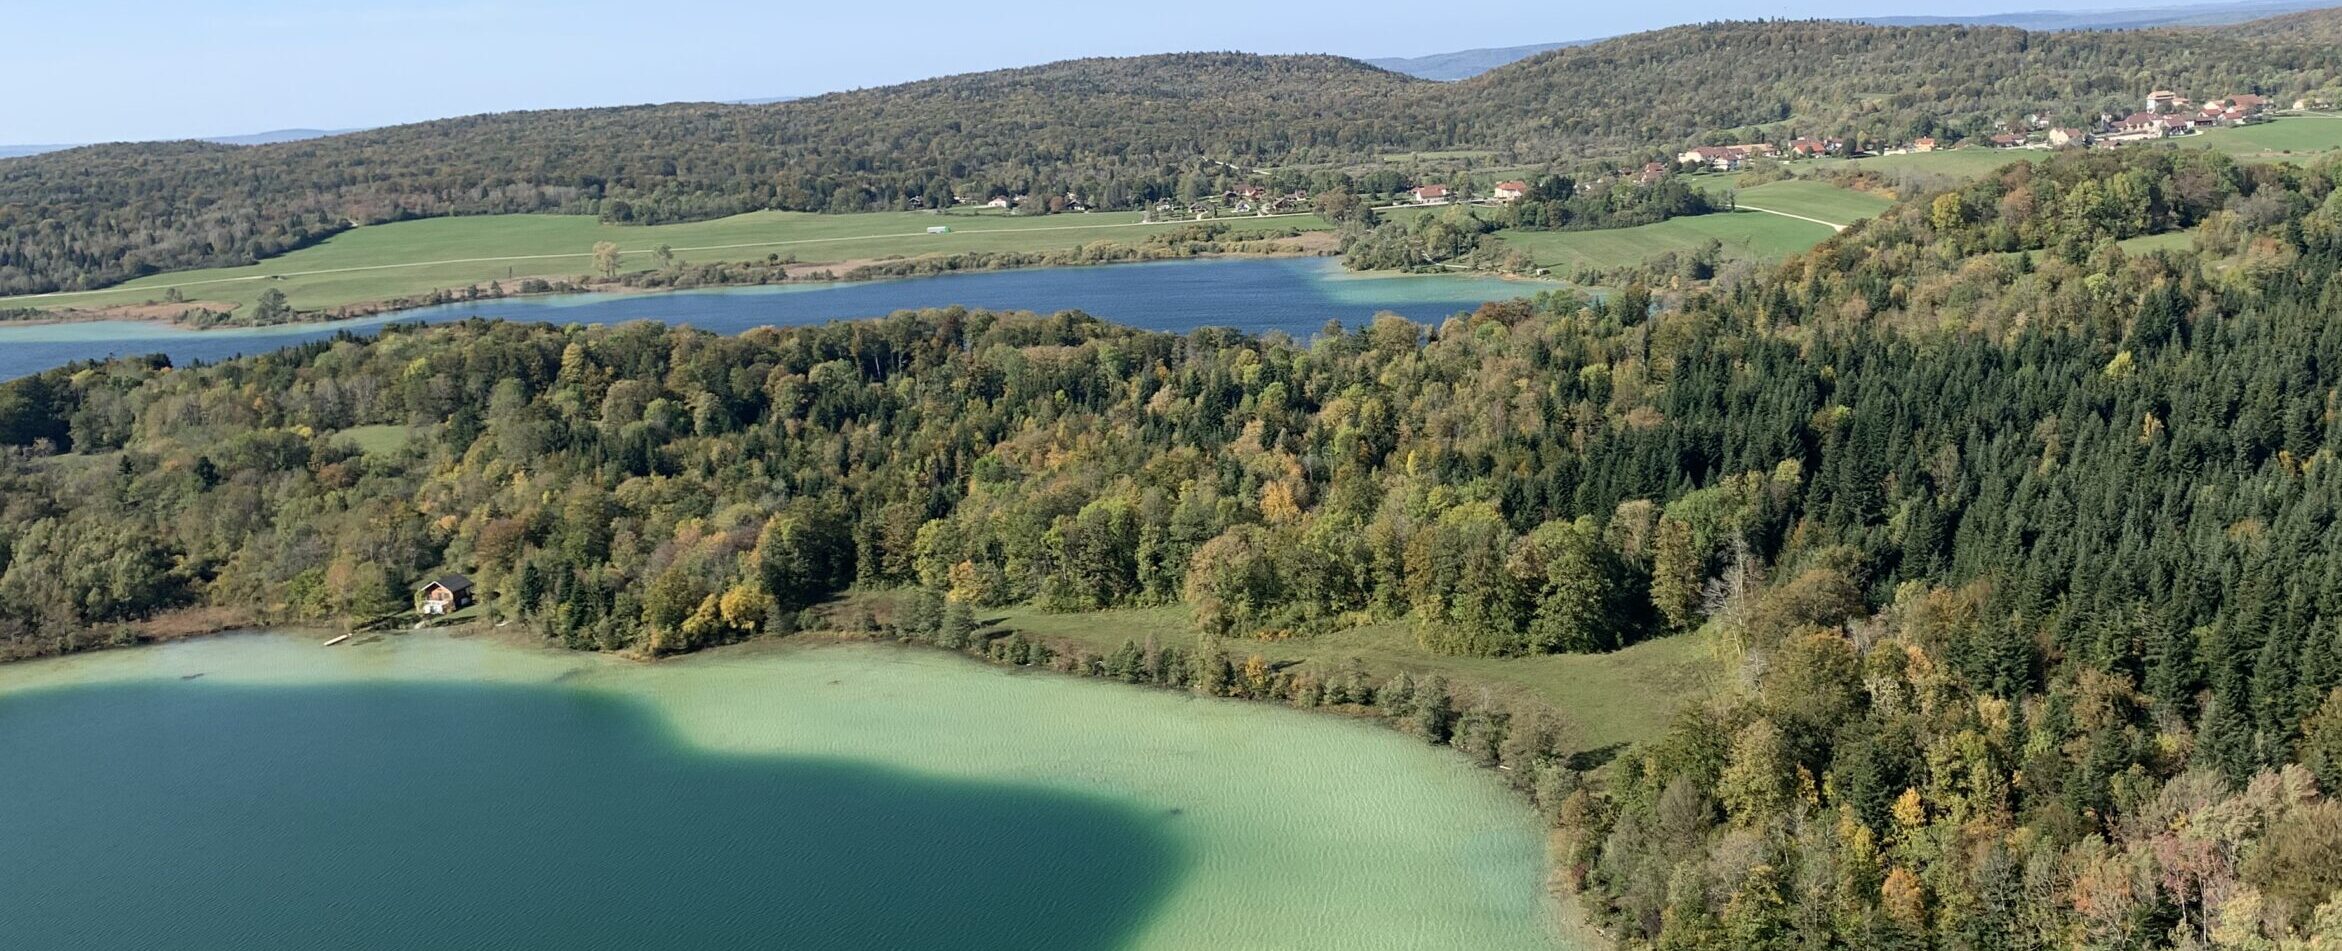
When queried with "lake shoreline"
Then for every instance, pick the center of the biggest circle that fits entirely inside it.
(856, 271)
(1457, 856)
(1569, 920)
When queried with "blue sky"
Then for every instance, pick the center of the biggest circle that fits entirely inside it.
(98, 70)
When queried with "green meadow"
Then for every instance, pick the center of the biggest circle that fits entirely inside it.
(2151, 243)
(1955, 163)
(379, 439)
(1838, 206)
(1747, 234)
(1626, 696)
(408, 258)
(1778, 231)
(2289, 139)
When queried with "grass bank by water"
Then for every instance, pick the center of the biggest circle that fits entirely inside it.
(411, 258)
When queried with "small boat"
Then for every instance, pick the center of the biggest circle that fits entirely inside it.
(337, 640)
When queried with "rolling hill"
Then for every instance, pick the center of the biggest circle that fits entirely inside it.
(1465, 64)
(2313, 26)
(2194, 14)
(251, 138)
(1119, 132)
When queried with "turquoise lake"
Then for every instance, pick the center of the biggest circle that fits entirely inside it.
(1294, 295)
(433, 791)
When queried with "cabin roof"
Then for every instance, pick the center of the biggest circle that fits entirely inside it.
(452, 582)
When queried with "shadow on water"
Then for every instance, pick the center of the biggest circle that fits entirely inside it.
(198, 816)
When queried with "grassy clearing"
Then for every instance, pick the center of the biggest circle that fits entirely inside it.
(1748, 234)
(2167, 241)
(1437, 155)
(378, 440)
(1953, 163)
(1623, 697)
(1841, 206)
(408, 258)
(2293, 138)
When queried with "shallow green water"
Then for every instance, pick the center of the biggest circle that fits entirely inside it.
(422, 791)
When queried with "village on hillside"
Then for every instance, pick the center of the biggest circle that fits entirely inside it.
(2162, 114)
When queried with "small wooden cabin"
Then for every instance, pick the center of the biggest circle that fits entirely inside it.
(446, 595)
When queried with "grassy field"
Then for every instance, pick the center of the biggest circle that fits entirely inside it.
(1436, 156)
(382, 262)
(1749, 234)
(1955, 163)
(2167, 241)
(1764, 235)
(375, 440)
(1839, 206)
(2291, 138)
(2294, 138)
(1622, 697)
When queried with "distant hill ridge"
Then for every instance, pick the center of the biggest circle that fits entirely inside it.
(2198, 14)
(1464, 64)
(1119, 132)
(253, 138)
(2315, 26)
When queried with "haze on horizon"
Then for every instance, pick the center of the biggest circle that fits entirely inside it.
(147, 69)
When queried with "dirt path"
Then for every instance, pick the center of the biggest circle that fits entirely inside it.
(1832, 225)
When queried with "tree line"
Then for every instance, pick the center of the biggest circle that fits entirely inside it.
(2018, 548)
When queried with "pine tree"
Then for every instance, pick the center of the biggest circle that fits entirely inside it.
(2173, 676)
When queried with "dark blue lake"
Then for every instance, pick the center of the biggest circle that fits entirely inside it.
(1294, 295)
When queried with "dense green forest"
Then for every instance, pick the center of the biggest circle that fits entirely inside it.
(2312, 26)
(2021, 551)
(1118, 132)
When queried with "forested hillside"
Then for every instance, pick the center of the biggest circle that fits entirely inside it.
(1845, 79)
(2021, 551)
(2312, 26)
(1117, 132)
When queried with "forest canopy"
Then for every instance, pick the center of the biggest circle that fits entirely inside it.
(2019, 549)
